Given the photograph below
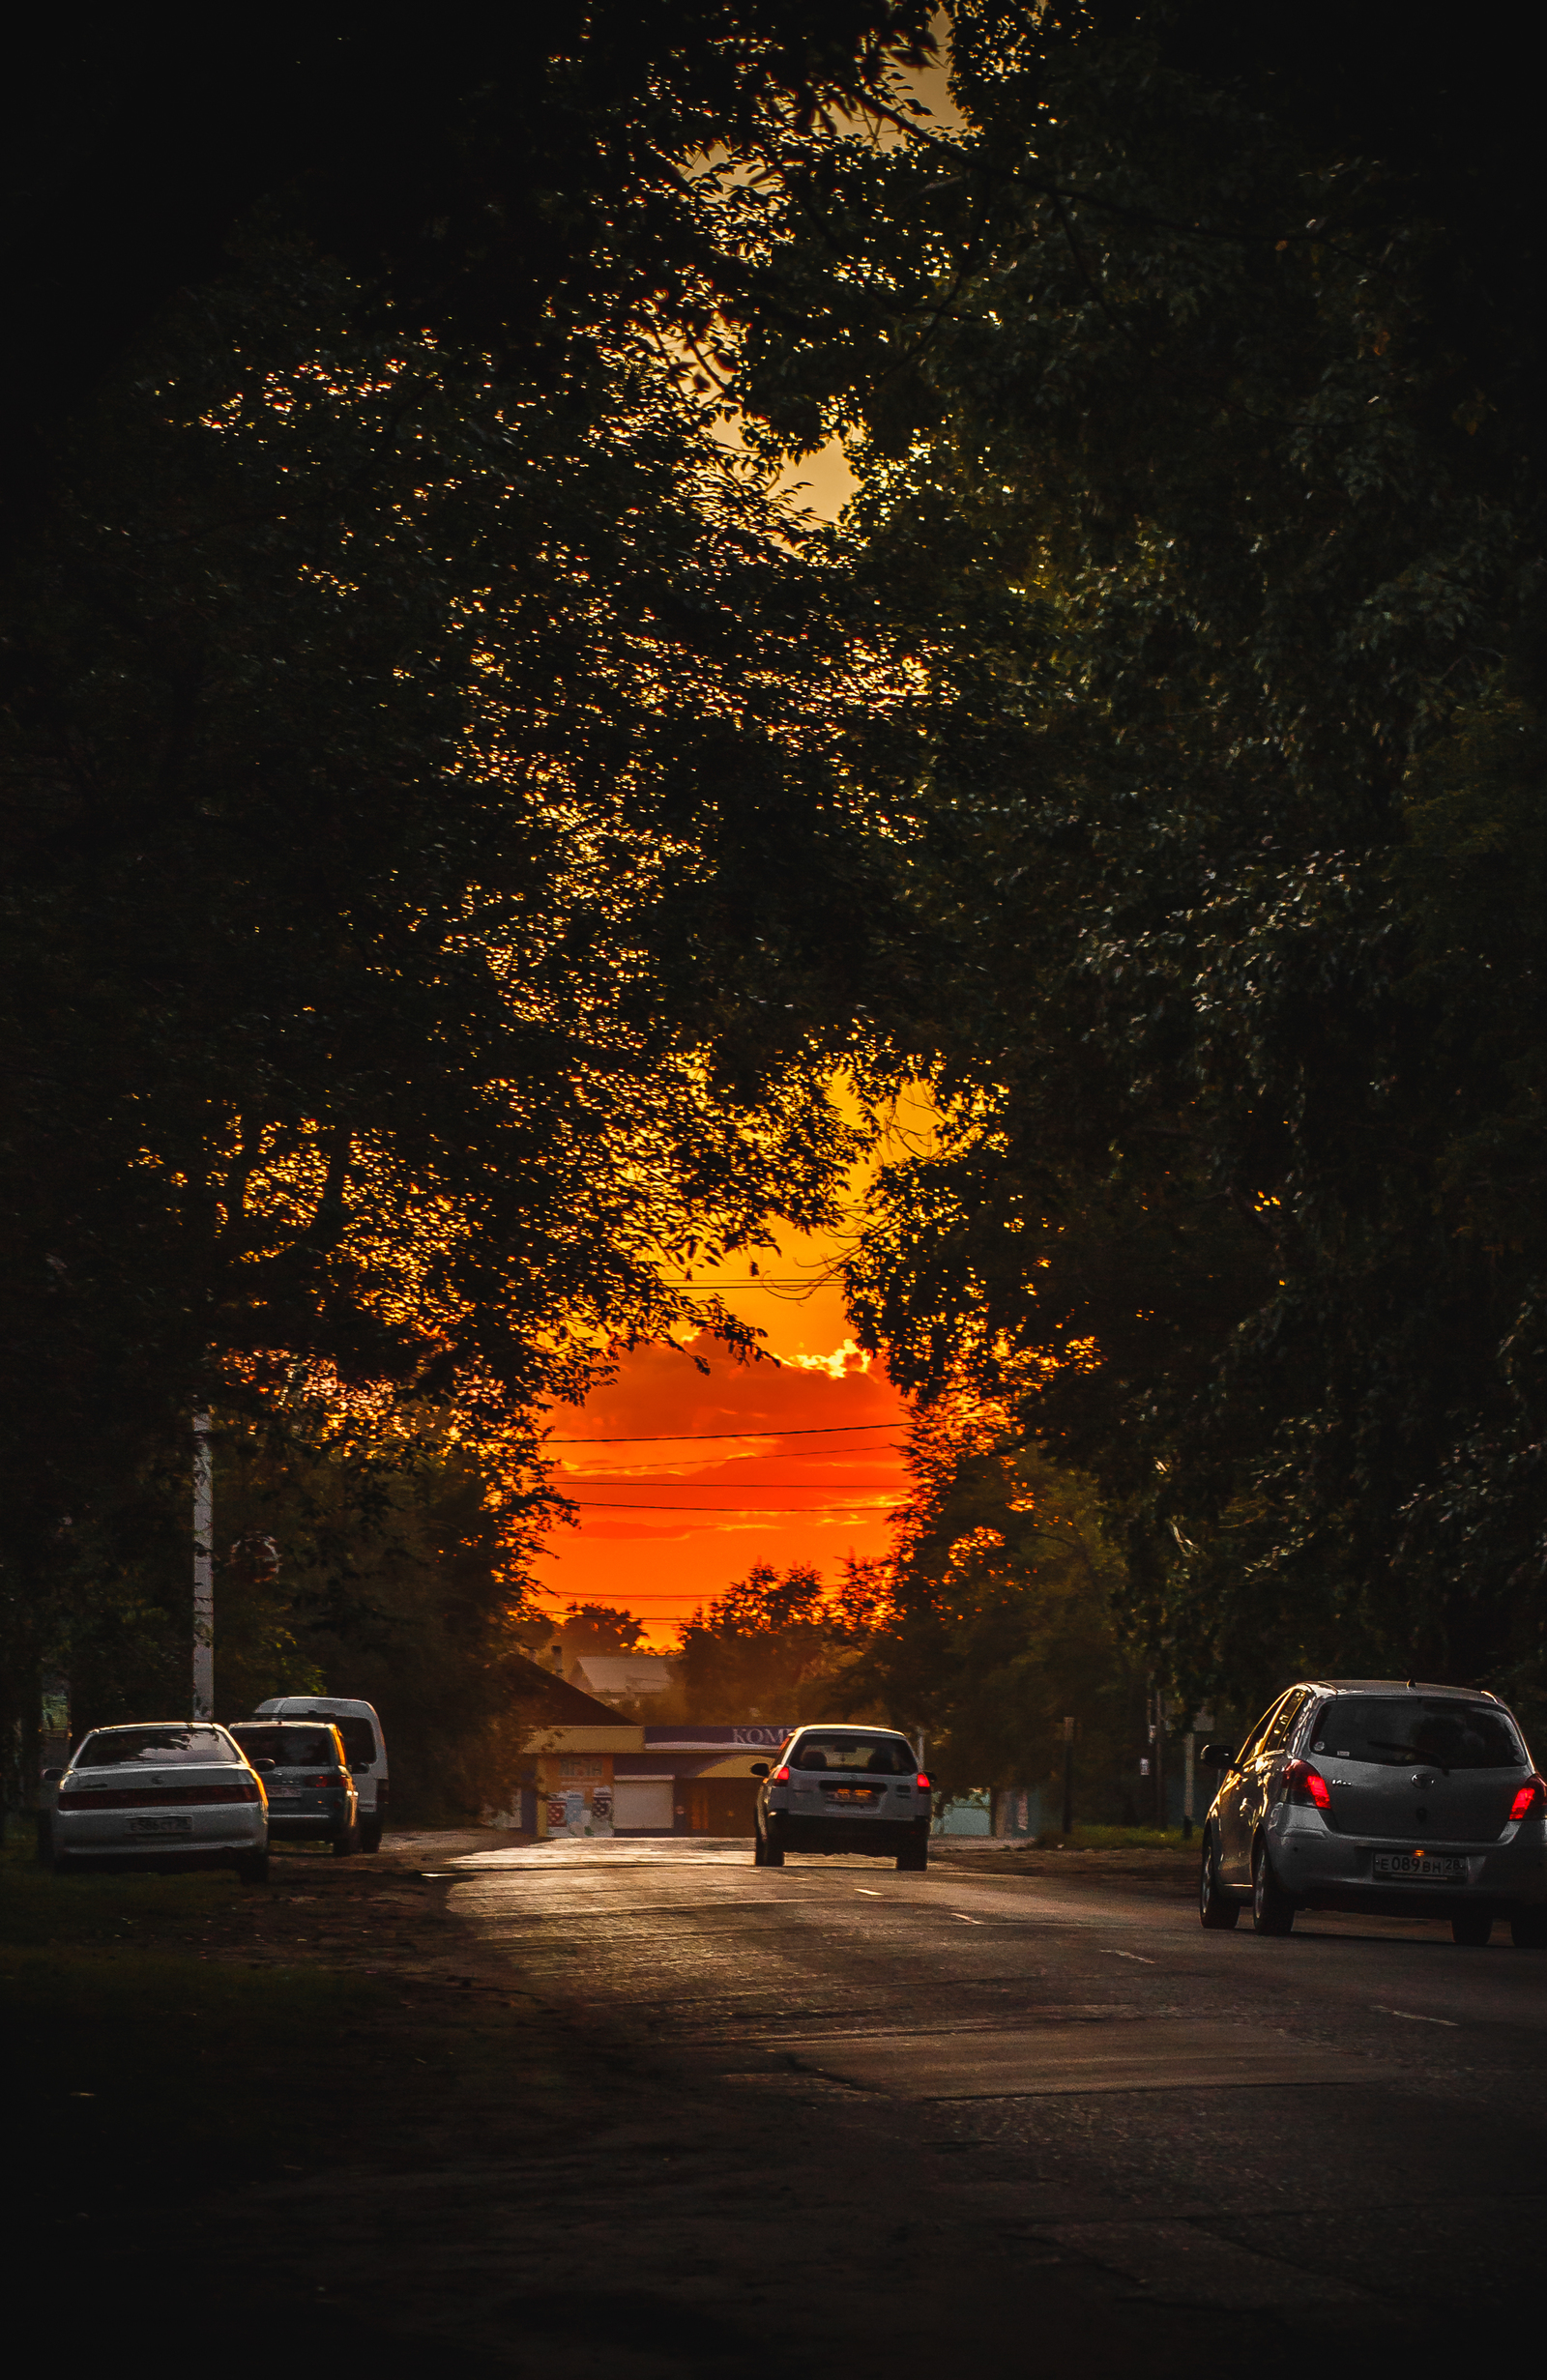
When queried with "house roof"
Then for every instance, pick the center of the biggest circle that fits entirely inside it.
(625, 1673)
(552, 1702)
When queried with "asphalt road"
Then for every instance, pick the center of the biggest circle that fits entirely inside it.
(990, 2117)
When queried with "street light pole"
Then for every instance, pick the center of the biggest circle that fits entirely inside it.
(203, 1570)
(1069, 1777)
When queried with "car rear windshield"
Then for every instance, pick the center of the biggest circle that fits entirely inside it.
(289, 1746)
(360, 1744)
(879, 1755)
(1391, 1733)
(159, 1746)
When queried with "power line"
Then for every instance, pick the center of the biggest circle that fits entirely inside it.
(681, 1437)
(794, 1454)
(815, 1486)
(585, 1503)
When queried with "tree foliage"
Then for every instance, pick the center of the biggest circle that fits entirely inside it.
(1195, 409)
(436, 873)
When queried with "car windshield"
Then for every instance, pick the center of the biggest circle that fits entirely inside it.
(876, 1756)
(155, 1746)
(1391, 1733)
(289, 1746)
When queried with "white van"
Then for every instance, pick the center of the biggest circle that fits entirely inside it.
(365, 1745)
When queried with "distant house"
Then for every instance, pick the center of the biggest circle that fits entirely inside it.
(565, 1785)
(621, 1677)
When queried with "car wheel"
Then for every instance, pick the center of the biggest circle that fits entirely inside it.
(1528, 1928)
(772, 1853)
(253, 1866)
(371, 1834)
(1217, 1909)
(914, 1859)
(344, 1846)
(1471, 1928)
(1272, 1911)
(759, 1852)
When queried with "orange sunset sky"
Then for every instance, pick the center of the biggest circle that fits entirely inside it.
(794, 1458)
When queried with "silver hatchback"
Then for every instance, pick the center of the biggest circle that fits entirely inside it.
(1372, 1794)
(836, 1788)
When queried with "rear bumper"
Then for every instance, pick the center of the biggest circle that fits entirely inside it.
(312, 1827)
(109, 1834)
(1327, 1869)
(884, 1837)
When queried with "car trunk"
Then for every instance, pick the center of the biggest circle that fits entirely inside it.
(1421, 1804)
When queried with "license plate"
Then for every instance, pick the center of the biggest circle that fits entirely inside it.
(1425, 1871)
(161, 1826)
(852, 1793)
(284, 1793)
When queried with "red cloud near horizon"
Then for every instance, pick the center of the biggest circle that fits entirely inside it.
(798, 1459)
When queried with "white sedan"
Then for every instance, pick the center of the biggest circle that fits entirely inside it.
(171, 1790)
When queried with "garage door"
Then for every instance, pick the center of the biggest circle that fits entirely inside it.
(722, 1806)
(641, 1804)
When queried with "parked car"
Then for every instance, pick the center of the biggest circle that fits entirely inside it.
(305, 1774)
(1370, 1795)
(165, 1791)
(836, 1788)
(364, 1742)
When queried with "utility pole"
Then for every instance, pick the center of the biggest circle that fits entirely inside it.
(1069, 1777)
(1159, 1759)
(203, 1570)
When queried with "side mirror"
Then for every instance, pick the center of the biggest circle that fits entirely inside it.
(760, 1768)
(1218, 1756)
(52, 1776)
(261, 1764)
(358, 1767)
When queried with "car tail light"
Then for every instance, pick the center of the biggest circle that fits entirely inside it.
(780, 1776)
(319, 1780)
(1530, 1797)
(922, 1783)
(1307, 1786)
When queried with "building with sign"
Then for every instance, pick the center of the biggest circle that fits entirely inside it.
(564, 1782)
(691, 1780)
(586, 1771)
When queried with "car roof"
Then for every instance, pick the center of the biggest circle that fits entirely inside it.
(313, 1705)
(137, 1727)
(846, 1727)
(1397, 1685)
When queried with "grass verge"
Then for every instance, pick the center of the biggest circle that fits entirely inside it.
(123, 2038)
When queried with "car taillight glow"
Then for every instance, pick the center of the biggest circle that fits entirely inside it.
(780, 1776)
(1307, 1786)
(319, 1780)
(1528, 1799)
(924, 1785)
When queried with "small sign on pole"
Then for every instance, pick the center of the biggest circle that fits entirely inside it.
(203, 1570)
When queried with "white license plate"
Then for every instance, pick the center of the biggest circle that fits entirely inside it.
(161, 1826)
(1425, 1871)
(284, 1793)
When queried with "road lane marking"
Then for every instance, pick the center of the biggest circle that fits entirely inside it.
(867, 1894)
(963, 1917)
(1137, 1956)
(1411, 2016)
(1120, 2054)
